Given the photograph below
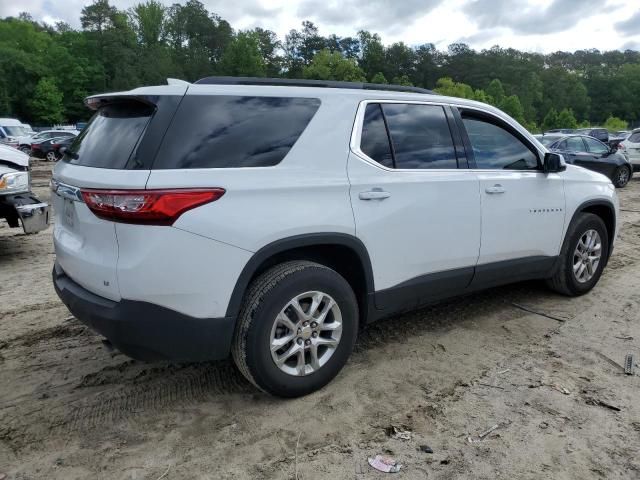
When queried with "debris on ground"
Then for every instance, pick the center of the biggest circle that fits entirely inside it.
(398, 432)
(385, 464)
(426, 449)
(536, 312)
(628, 364)
(601, 403)
(623, 337)
(560, 389)
(482, 435)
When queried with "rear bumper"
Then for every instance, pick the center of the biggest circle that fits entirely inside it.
(146, 331)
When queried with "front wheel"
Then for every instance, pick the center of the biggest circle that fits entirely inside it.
(51, 156)
(621, 176)
(296, 329)
(25, 149)
(583, 257)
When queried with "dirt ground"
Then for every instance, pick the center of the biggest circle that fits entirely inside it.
(70, 409)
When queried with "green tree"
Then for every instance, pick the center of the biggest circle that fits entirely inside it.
(333, 66)
(550, 120)
(402, 80)
(47, 102)
(495, 90)
(379, 78)
(615, 123)
(149, 22)
(446, 86)
(512, 106)
(566, 119)
(243, 58)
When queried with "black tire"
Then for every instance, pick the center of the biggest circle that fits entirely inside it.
(622, 176)
(265, 298)
(26, 150)
(564, 280)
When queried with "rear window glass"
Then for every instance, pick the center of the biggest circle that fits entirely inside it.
(111, 136)
(420, 135)
(375, 141)
(234, 131)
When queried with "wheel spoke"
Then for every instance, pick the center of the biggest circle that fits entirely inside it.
(299, 311)
(328, 342)
(282, 319)
(323, 315)
(300, 366)
(278, 343)
(315, 303)
(313, 353)
(280, 359)
(580, 271)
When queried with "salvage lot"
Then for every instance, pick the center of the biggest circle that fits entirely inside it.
(71, 409)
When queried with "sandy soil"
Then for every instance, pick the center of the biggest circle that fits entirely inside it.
(564, 408)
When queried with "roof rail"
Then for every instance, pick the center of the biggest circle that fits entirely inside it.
(292, 82)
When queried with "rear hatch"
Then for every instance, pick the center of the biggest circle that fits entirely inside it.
(114, 152)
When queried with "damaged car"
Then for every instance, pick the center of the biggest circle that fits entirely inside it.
(18, 205)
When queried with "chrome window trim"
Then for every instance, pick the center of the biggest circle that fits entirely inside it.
(356, 136)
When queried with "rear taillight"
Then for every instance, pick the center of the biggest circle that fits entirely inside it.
(620, 146)
(147, 207)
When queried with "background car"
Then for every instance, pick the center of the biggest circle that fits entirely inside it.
(593, 154)
(50, 149)
(566, 131)
(630, 148)
(599, 133)
(10, 130)
(615, 138)
(26, 141)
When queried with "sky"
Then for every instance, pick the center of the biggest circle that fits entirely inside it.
(530, 25)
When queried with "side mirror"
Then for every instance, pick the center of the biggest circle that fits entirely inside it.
(554, 163)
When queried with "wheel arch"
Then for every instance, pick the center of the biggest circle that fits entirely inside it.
(342, 252)
(603, 209)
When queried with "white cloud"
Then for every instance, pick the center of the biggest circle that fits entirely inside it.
(532, 25)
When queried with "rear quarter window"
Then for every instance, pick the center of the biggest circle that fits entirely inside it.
(111, 136)
(221, 131)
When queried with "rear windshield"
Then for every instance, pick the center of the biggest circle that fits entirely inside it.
(223, 131)
(111, 136)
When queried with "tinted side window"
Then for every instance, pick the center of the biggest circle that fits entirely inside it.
(420, 135)
(234, 131)
(574, 144)
(496, 148)
(595, 146)
(634, 138)
(375, 141)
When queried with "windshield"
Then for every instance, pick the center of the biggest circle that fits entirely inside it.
(15, 131)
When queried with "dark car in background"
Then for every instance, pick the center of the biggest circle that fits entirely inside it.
(615, 138)
(587, 152)
(50, 149)
(598, 133)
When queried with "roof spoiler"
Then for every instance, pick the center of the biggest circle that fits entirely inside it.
(177, 81)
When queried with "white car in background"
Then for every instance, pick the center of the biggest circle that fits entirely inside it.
(10, 130)
(631, 149)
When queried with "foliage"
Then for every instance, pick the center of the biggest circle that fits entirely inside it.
(47, 102)
(333, 66)
(614, 123)
(566, 119)
(120, 50)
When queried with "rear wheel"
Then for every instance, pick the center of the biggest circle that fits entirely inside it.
(296, 328)
(621, 176)
(583, 256)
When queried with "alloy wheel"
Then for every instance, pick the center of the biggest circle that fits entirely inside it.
(306, 333)
(587, 256)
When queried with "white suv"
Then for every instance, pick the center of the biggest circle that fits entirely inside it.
(271, 219)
